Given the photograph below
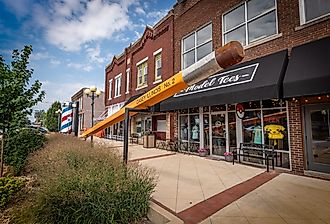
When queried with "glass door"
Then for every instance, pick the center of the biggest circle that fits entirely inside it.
(219, 141)
(317, 129)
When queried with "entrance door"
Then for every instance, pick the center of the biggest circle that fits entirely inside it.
(317, 129)
(219, 141)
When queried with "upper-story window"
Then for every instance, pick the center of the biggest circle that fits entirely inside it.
(158, 66)
(251, 21)
(117, 85)
(127, 80)
(196, 46)
(110, 89)
(311, 10)
(142, 70)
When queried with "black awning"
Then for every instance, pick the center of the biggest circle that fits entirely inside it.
(258, 79)
(308, 70)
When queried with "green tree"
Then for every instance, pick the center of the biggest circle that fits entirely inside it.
(52, 118)
(40, 117)
(17, 93)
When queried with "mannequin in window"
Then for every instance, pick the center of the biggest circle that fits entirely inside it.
(195, 132)
(257, 135)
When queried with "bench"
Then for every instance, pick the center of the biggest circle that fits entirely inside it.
(134, 138)
(258, 151)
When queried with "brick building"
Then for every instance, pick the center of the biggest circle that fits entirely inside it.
(279, 95)
(141, 66)
(285, 92)
(85, 108)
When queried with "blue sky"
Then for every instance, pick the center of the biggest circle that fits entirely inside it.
(73, 40)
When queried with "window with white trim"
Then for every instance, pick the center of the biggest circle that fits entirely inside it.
(251, 21)
(110, 89)
(142, 74)
(127, 80)
(117, 85)
(311, 10)
(158, 67)
(196, 46)
(161, 125)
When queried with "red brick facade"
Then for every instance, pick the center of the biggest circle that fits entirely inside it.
(193, 14)
(296, 140)
(190, 15)
(153, 39)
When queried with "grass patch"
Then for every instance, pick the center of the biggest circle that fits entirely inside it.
(79, 184)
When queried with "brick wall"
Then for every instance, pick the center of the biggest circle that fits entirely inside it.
(160, 36)
(192, 14)
(296, 137)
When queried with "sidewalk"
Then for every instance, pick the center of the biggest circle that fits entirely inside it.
(201, 190)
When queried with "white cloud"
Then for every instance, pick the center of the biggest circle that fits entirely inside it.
(35, 56)
(70, 24)
(140, 10)
(94, 55)
(78, 66)
(54, 61)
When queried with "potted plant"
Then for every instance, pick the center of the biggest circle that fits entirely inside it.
(228, 156)
(203, 152)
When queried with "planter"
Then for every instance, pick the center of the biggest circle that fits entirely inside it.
(149, 141)
(229, 158)
(202, 154)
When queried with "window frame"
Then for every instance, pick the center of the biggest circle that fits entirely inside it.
(302, 14)
(158, 77)
(144, 74)
(128, 71)
(247, 21)
(110, 89)
(195, 43)
(118, 86)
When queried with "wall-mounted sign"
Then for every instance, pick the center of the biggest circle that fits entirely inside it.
(240, 111)
(221, 80)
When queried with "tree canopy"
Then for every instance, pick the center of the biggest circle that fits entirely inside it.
(17, 93)
(52, 118)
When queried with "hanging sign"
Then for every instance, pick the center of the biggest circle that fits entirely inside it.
(240, 111)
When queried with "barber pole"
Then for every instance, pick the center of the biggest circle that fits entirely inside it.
(66, 120)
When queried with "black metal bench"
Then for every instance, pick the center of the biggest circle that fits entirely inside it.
(134, 138)
(258, 151)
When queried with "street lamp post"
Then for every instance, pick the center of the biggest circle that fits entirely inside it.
(58, 112)
(92, 92)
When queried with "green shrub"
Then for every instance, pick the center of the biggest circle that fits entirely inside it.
(8, 187)
(19, 144)
(80, 185)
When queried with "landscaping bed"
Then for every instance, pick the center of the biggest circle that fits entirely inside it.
(70, 182)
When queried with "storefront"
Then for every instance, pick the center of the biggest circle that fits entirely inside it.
(307, 83)
(273, 100)
(208, 115)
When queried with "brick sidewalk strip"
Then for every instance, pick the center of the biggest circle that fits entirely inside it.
(152, 157)
(206, 208)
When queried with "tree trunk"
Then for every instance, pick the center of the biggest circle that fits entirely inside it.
(1, 155)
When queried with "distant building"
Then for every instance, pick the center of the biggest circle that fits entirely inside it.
(85, 109)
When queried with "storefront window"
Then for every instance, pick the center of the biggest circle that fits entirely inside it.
(138, 126)
(252, 105)
(273, 103)
(276, 134)
(218, 134)
(232, 131)
(252, 129)
(194, 110)
(184, 127)
(194, 133)
(218, 108)
(206, 129)
(231, 107)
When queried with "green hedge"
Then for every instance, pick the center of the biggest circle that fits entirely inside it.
(8, 187)
(19, 144)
